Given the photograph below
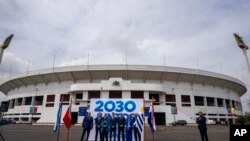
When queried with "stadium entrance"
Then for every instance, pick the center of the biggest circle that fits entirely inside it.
(160, 118)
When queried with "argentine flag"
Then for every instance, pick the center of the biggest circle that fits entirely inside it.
(151, 118)
(58, 118)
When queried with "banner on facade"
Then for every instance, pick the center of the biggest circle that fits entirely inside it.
(128, 107)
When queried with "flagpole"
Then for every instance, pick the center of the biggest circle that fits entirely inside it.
(70, 121)
(153, 137)
(58, 132)
(144, 117)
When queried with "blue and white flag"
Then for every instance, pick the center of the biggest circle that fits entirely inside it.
(151, 118)
(139, 121)
(58, 117)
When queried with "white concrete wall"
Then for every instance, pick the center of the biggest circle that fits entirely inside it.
(48, 114)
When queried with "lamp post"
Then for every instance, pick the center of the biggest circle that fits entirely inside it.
(241, 44)
(244, 49)
(4, 45)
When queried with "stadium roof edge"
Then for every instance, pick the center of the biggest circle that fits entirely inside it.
(146, 72)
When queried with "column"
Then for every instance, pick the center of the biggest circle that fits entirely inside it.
(105, 94)
(126, 94)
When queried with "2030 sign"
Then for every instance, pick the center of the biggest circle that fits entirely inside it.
(115, 106)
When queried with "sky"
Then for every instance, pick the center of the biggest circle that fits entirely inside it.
(181, 33)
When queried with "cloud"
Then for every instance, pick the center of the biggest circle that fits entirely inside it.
(192, 34)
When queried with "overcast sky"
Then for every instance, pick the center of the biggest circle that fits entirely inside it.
(189, 33)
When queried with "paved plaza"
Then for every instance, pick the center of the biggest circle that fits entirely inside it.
(20, 132)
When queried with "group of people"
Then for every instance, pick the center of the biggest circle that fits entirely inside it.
(106, 127)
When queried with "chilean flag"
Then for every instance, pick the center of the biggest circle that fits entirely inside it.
(151, 118)
(67, 118)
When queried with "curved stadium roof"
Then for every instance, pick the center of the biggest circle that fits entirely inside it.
(144, 72)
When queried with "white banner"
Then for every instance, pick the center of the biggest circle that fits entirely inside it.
(125, 106)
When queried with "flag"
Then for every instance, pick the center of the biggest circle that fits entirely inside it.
(139, 121)
(58, 117)
(67, 118)
(151, 118)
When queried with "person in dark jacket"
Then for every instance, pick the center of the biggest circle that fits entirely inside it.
(121, 123)
(104, 128)
(201, 121)
(113, 124)
(87, 125)
(129, 128)
(98, 120)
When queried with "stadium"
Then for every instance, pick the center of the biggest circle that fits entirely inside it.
(189, 90)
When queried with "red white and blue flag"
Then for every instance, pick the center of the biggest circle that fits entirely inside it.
(151, 118)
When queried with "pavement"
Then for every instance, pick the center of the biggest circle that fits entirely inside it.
(23, 132)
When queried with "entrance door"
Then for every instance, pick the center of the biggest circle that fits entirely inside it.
(74, 116)
(160, 118)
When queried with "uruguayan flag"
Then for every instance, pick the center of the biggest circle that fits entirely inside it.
(139, 121)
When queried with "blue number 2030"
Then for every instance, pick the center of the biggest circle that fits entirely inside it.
(118, 106)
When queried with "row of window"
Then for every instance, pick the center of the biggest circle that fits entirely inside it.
(170, 99)
(200, 101)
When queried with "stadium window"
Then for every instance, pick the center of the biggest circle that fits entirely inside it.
(49, 104)
(185, 99)
(199, 100)
(79, 96)
(156, 98)
(39, 100)
(186, 105)
(233, 103)
(220, 102)
(210, 101)
(19, 101)
(94, 94)
(50, 98)
(65, 98)
(12, 105)
(170, 98)
(115, 94)
(137, 95)
(28, 100)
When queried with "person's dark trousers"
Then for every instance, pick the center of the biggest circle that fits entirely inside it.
(97, 131)
(83, 133)
(121, 129)
(112, 130)
(203, 135)
(137, 134)
(104, 135)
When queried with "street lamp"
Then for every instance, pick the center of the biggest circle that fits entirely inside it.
(4, 45)
(244, 48)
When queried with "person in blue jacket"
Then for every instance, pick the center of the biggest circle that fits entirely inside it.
(129, 128)
(98, 120)
(104, 128)
(87, 125)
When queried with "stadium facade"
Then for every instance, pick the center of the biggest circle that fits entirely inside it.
(189, 90)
